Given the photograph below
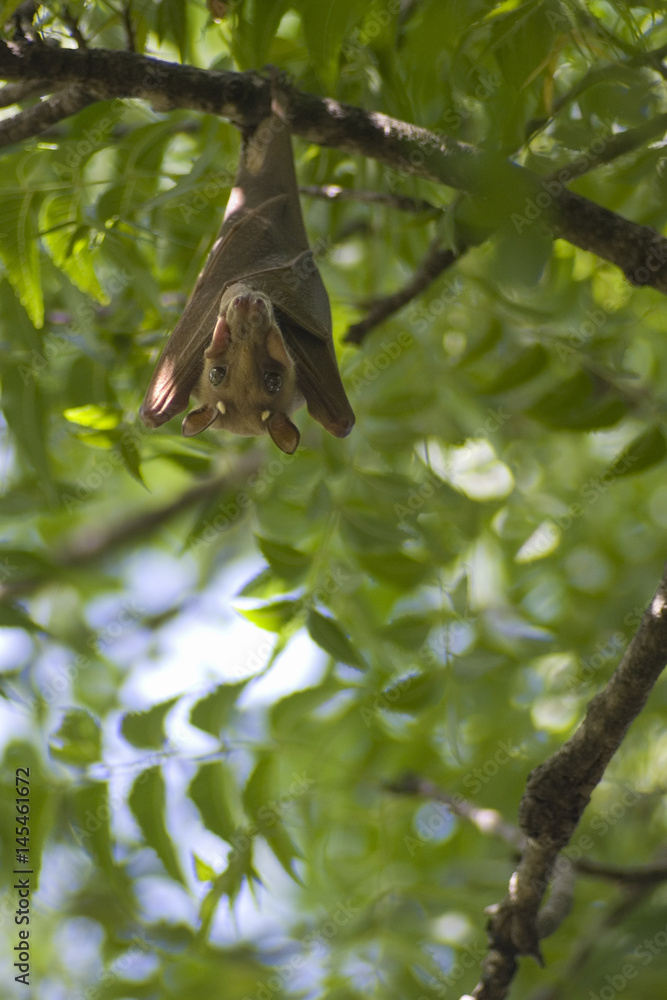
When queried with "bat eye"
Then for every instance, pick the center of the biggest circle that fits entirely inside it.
(217, 374)
(272, 381)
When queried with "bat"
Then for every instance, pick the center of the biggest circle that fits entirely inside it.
(255, 339)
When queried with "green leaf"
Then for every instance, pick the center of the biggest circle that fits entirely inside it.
(213, 712)
(366, 532)
(24, 411)
(146, 729)
(266, 807)
(24, 564)
(273, 617)
(19, 250)
(519, 258)
(645, 450)
(408, 631)
(575, 405)
(147, 802)
(329, 636)
(99, 417)
(325, 27)
(90, 813)
(290, 711)
(213, 790)
(526, 366)
(287, 563)
(400, 570)
(68, 242)
(415, 692)
(262, 586)
(203, 872)
(130, 455)
(255, 35)
(172, 23)
(78, 739)
(228, 883)
(12, 616)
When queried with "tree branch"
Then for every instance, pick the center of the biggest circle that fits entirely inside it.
(90, 546)
(639, 251)
(437, 260)
(558, 791)
(14, 93)
(41, 116)
(491, 823)
(615, 146)
(332, 192)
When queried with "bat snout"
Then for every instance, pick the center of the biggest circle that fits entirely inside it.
(249, 302)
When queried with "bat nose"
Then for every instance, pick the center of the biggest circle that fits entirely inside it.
(248, 301)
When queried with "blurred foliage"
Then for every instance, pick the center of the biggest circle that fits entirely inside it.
(461, 574)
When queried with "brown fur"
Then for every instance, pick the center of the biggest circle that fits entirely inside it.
(248, 343)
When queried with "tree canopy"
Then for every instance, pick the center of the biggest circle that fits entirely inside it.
(357, 721)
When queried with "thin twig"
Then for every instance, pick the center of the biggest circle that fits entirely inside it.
(437, 260)
(90, 546)
(75, 31)
(617, 145)
(332, 192)
(491, 823)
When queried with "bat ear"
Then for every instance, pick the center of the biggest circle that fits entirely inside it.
(283, 432)
(275, 345)
(198, 420)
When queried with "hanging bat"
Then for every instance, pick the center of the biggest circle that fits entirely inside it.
(255, 340)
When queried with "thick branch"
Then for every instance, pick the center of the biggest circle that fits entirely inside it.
(639, 251)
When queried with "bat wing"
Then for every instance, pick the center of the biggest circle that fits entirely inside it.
(262, 242)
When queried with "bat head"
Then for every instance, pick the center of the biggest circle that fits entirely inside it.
(248, 384)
